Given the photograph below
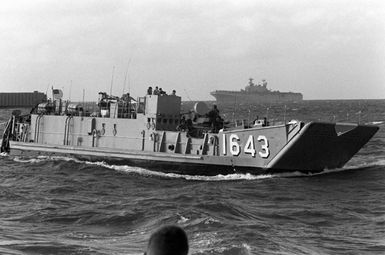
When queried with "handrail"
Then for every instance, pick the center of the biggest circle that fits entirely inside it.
(5, 139)
(37, 128)
(66, 130)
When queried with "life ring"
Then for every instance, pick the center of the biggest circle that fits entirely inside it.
(148, 125)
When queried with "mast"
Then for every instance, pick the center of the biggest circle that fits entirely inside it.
(125, 78)
(112, 79)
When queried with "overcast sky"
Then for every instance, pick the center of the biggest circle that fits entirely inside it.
(323, 49)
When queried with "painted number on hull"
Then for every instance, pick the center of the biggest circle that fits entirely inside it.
(265, 146)
(235, 148)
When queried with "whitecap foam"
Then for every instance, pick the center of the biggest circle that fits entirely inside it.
(41, 158)
(147, 172)
(380, 162)
(230, 177)
(376, 122)
(182, 219)
(28, 160)
(214, 244)
(343, 169)
(373, 163)
(219, 177)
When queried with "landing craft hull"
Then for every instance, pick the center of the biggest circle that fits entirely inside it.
(306, 148)
(185, 167)
(151, 134)
(321, 146)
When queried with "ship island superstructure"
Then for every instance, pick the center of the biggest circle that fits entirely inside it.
(255, 94)
(21, 99)
(151, 132)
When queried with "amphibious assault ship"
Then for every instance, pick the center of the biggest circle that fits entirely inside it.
(255, 94)
(151, 132)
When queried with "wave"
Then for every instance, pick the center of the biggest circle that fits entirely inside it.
(220, 177)
(39, 159)
(3, 154)
(376, 122)
(210, 244)
(229, 177)
(380, 162)
(146, 172)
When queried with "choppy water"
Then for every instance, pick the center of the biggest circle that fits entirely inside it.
(63, 206)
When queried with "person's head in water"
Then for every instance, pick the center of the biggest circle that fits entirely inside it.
(168, 240)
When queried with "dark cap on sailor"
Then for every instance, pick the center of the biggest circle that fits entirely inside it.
(168, 240)
(149, 91)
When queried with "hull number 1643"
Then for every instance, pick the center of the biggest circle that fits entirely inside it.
(235, 148)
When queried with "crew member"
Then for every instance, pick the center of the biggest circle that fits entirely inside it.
(190, 128)
(183, 124)
(161, 92)
(214, 118)
(265, 122)
(156, 91)
(149, 91)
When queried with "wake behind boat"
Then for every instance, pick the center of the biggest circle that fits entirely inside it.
(151, 132)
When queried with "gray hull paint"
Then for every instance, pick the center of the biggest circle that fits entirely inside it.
(313, 148)
(150, 138)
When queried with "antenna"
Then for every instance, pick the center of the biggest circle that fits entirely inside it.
(112, 79)
(84, 93)
(125, 77)
(46, 91)
(235, 106)
(69, 97)
(187, 95)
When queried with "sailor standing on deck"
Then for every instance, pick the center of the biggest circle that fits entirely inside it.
(214, 118)
(156, 91)
(161, 92)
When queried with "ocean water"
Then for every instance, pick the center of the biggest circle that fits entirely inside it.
(58, 205)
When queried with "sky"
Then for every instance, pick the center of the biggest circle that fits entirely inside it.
(323, 49)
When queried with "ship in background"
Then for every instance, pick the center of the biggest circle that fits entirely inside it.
(21, 99)
(255, 94)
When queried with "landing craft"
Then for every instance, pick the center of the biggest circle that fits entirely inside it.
(152, 133)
